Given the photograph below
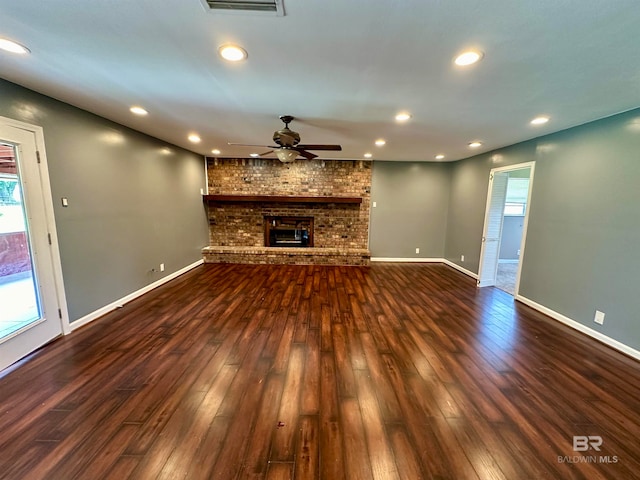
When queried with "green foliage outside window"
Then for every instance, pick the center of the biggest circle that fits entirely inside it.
(8, 191)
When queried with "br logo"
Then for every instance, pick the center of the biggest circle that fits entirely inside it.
(582, 443)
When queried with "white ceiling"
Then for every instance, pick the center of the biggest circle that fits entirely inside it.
(342, 68)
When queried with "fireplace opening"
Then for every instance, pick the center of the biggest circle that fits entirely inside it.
(288, 231)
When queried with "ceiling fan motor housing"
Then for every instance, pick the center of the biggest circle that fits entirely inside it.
(286, 137)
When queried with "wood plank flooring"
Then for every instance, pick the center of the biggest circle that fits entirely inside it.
(278, 372)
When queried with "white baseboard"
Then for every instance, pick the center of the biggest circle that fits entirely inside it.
(119, 303)
(407, 260)
(581, 328)
(459, 268)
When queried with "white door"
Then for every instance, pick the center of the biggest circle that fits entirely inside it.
(494, 218)
(490, 249)
(31, 310)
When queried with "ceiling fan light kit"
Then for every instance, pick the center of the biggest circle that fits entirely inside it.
(286, 155)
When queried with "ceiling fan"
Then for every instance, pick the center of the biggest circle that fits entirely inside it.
(288, 146)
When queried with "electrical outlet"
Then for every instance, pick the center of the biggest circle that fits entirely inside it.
(162, 267)
(462, 258)
(417, 250)
(375, 204)
(599, 317)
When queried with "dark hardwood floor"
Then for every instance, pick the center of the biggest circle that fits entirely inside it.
(278, 372)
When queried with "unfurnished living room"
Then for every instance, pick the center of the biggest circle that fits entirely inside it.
(275, 239)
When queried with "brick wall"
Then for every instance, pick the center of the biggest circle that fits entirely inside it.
(14, 253)
(335, 225)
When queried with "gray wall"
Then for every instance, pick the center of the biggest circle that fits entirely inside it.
(584, 223)
(411, 209)
(131, 207)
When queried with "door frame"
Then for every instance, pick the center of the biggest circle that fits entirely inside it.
(518, 166)
(49, 218)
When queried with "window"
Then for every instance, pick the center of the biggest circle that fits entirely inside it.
(517, 193)
(511, 208)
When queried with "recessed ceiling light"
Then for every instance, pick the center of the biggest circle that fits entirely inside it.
(541, 120)
(403, 117)
(380, 142)
(439, 156)
(13, 47)
(194, 138)
(468, 58)
(475, 144)
(136, 110)
(634, 124)
(232, 53)
(215, 151)
(368, 155)
(254, 155)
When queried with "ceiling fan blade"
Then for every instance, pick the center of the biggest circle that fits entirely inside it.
(336, 148)
(304, 153)
(251, 145)
(266, 153)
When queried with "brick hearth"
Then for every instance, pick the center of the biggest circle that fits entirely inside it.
(288, 256)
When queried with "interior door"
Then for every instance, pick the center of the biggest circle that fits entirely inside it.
(490, 250)
(30, 314)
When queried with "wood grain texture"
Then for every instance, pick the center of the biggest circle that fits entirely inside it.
(318, 372)
(280, 199)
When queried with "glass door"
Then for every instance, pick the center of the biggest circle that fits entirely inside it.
(29, 311)
(18, 290)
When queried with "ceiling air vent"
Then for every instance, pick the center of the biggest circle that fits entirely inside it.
(265, 7)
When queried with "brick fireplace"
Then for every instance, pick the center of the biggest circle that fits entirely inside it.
(243, 194)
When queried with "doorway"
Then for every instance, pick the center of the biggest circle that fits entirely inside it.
(504, 233)
(31, 293)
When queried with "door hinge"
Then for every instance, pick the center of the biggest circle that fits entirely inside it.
(49, 238)
(491, 176)
(38, 156)
(60, 313)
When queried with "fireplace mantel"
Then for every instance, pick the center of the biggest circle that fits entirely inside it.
(279, 199)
